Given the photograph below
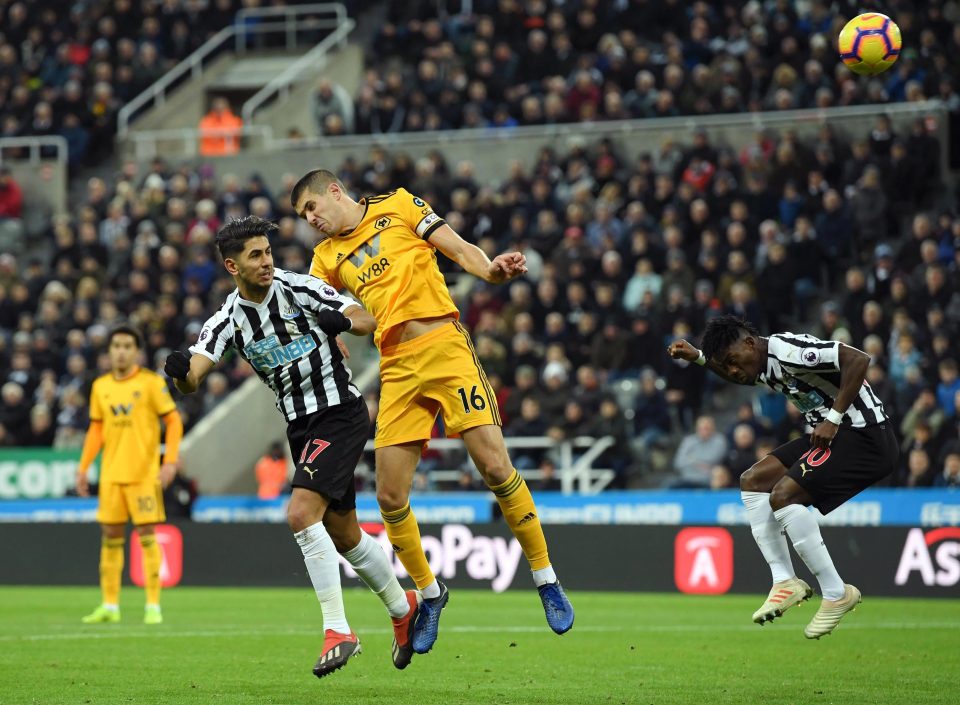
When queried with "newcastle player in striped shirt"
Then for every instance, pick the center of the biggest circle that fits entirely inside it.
(852, 446)
(285, 325)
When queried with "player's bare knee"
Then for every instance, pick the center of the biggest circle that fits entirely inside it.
(113, 531)
(301, 514)
(496, 474)
(295, 518)
(748, 480)
(391, 499)
(783, 496)
(494, 467)
(343, 538)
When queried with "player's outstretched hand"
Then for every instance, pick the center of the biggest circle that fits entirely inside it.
(177, 365)
(333, 322)
(682, 350)
(507, 266)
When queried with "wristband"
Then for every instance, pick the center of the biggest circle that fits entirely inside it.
(834, 417)
(702, 360)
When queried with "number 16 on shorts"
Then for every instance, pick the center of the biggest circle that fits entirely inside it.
(472, 401)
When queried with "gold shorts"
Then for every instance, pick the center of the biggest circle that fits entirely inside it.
(437, 372)
(140, 501)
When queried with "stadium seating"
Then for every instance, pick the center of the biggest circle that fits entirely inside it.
(543, 63)
(855, 241)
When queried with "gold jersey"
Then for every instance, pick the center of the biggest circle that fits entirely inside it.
(130, 410)
(387, 261)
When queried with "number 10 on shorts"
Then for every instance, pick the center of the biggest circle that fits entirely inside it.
(475, 401)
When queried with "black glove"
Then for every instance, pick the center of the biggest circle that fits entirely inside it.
(333, 322)
(177, 365)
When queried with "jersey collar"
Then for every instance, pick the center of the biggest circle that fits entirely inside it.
(366, 207)
(266, 299)
(133, 373)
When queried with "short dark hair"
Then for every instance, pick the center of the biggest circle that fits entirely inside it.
(316, 181)
(722, 332)
(232, 236)
(125, 329)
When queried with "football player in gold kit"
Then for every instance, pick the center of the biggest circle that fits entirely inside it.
(383, 250)
(126, 406)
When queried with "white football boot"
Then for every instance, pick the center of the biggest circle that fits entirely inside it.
(783, 596)
(831, 612)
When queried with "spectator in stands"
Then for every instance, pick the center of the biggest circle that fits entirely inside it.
(926, 411)
(949, 387)
(721, 478)
(651, 416)
(15, 415)
(41, 431)
(11, 197)
(611, 422)
(220, 130)
(950, 475)
(697, 454)
(332, 99)
(743, 452)
(549, 480)
(271, 472)
(918, 470)
(553, 396)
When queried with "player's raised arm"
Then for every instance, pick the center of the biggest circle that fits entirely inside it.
(187, 373)
(474, 260)
(683, 350)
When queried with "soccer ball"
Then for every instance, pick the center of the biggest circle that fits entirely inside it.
(869, 43)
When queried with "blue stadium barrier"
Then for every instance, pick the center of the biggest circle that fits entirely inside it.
(875, 507)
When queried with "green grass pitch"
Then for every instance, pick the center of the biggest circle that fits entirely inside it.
(257, 646)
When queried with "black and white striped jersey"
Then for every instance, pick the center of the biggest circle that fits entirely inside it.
(280, 339)
(807, 370)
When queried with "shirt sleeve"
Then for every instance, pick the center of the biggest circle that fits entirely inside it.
(162, 401)
(806, 352)
(418, 214)
(319, 269)
(314, 293)
(96, 413)
(215, 337)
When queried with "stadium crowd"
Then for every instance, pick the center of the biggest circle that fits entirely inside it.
(626, 252)
(503, 63)
(67, 70)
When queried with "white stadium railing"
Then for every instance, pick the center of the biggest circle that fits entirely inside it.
(185, 141)
(252, 22)
(313, 60)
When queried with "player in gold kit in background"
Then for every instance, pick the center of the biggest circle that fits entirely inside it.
(126, 405)
(383, 251)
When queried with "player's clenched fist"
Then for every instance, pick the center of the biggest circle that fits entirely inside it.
(333, 322)
(682, 350)
(177, 365)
